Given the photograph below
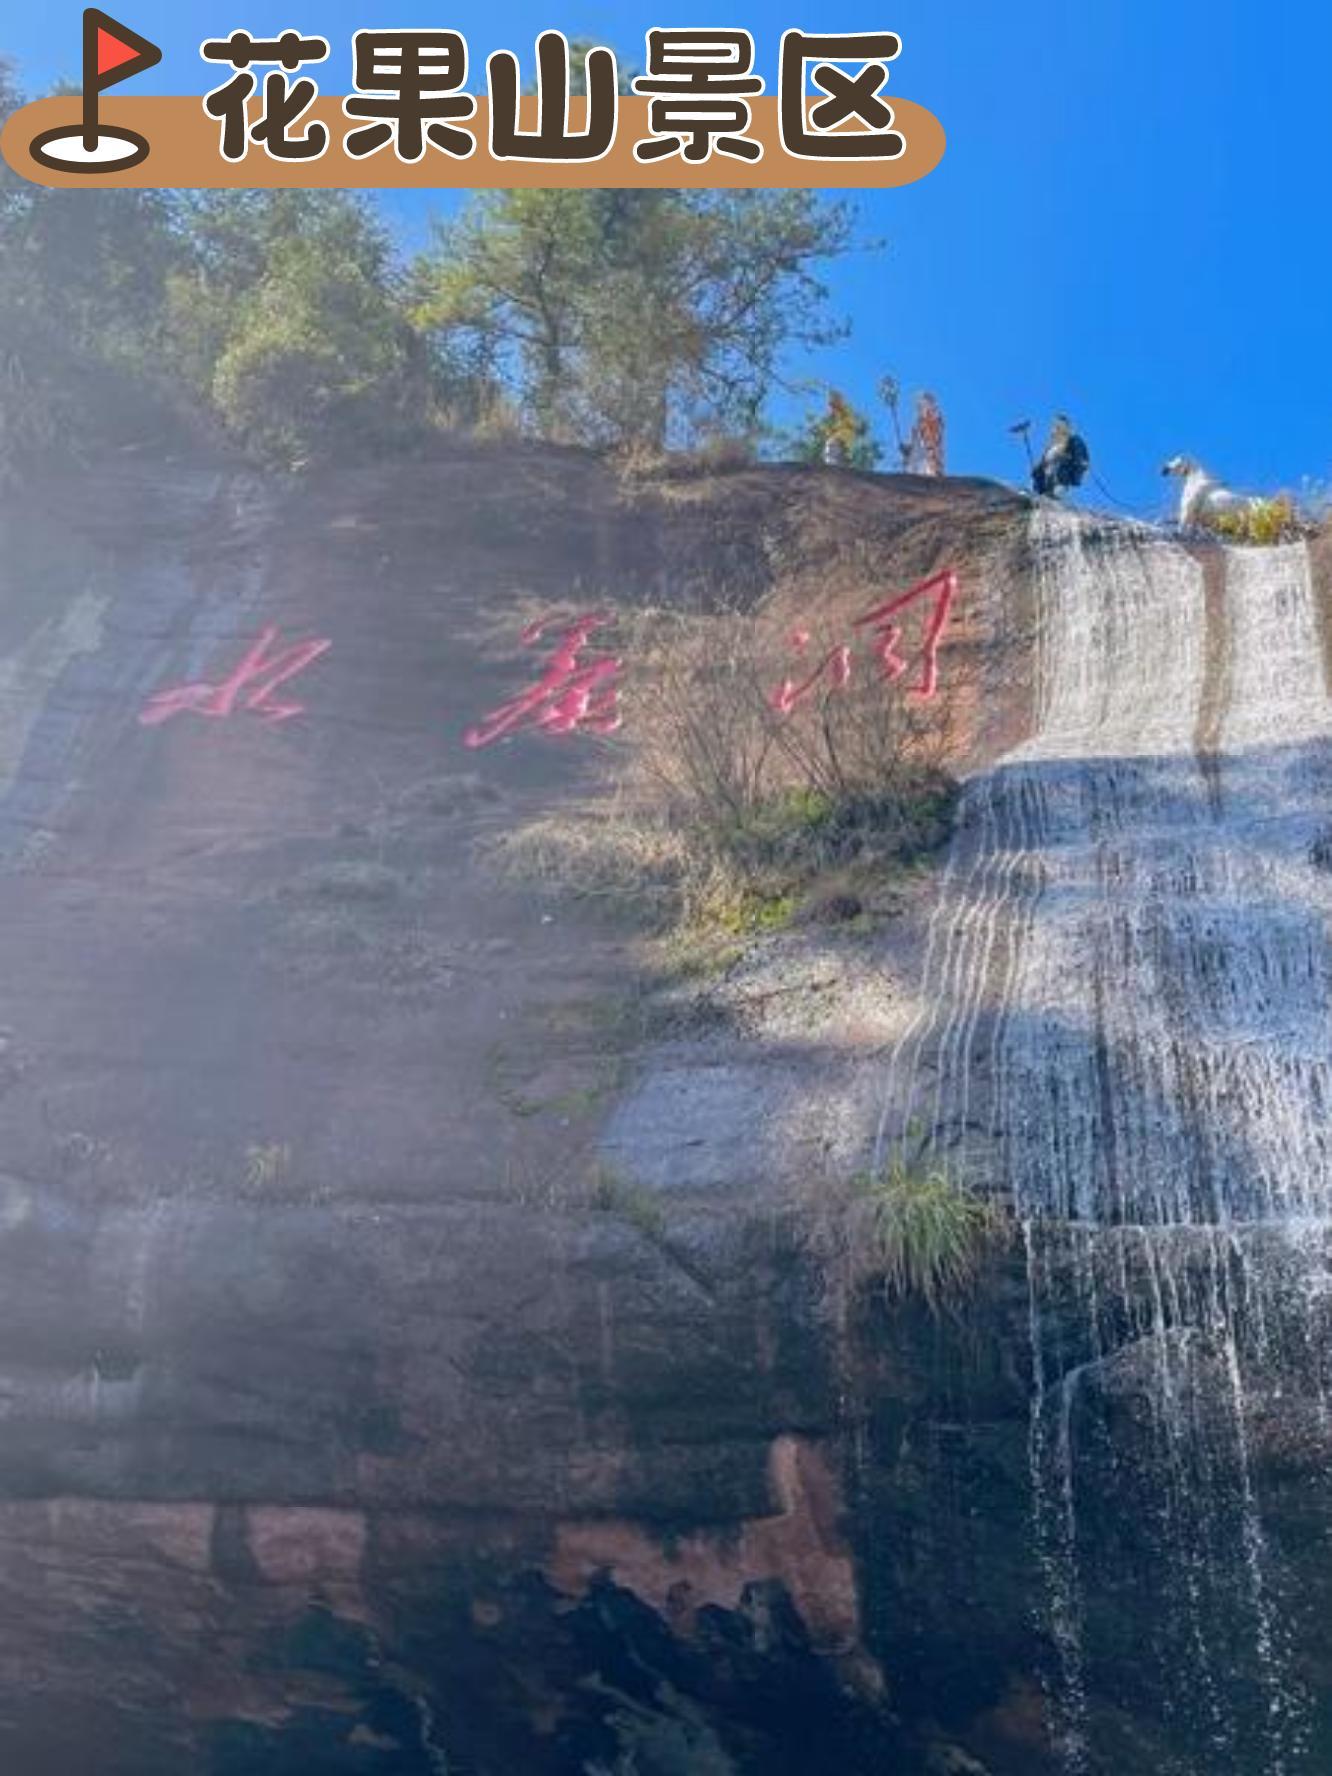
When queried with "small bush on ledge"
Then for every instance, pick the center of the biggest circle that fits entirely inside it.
(1261, 523)
(927, 1235)
(733, 811)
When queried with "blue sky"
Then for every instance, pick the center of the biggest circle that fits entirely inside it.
(1130, 222)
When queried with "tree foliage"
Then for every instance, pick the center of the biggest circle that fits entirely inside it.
(636, 317)
(284, 319)
(82, 276)
(289, 321)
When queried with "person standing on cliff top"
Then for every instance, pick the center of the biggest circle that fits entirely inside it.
(1065, 462)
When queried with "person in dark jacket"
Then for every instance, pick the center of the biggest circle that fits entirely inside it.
(1065, 462)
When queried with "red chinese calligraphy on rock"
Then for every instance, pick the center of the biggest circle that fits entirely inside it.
(837, 665)
(942, 588)
(251, 687)
(570, 697)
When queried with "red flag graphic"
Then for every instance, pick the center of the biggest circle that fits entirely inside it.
(112, 51)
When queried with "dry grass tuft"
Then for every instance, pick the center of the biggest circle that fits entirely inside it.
(1261, 524)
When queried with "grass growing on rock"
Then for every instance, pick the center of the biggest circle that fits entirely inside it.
(735, 880)
(611, 1194)
(1262, 523)
(731, 811)
(924, 1234)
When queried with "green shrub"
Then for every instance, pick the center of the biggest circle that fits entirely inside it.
(320, 364)
(731, 813)
(803, 831)
(928, 1234)
(613, 1195)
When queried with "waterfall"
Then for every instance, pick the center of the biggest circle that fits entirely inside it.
(1125, 1027)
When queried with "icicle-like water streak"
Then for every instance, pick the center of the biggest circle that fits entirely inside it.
(1128, 1028)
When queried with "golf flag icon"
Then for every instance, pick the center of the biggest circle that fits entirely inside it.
(112, 52)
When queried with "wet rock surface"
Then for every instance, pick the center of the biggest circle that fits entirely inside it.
(425, 1344)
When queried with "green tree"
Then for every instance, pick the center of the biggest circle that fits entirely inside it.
(289, 322)
(10, 100)
(83, 276)
(643, 317)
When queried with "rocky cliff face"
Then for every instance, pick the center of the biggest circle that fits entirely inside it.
(418, 1355)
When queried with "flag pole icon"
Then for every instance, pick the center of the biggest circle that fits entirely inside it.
(112, 52)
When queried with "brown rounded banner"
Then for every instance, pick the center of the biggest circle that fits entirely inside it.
(184, 153)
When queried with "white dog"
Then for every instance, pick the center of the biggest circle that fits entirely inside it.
(1202, 497)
